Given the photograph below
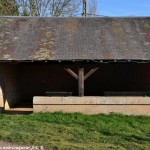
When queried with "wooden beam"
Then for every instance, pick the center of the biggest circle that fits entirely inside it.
(90, 73)
(81, 78)
(81, 81)
(72, 73)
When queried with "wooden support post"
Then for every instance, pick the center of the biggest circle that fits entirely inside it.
(81, 81)
(81, 77)
(90, 73)
(73, 74)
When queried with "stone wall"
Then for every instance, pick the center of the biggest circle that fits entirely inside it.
(9, 84)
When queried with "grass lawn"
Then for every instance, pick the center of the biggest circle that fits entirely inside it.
(77, 131)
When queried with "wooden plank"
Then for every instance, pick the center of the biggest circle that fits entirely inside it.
(72, 73)
(56, 93)
(90, 73)
(81, 81)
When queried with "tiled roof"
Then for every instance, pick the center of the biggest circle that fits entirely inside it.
(31, 38)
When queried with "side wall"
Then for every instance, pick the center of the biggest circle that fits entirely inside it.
(9, 84)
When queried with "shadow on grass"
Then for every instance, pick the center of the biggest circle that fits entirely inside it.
(136, 138)
(12, 112)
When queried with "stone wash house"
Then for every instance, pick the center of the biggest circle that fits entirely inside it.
(78, 58)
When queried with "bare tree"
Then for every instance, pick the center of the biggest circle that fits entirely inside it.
(48, 7)
(92, 8)
(8, 7)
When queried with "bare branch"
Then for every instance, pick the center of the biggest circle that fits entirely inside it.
(92, 10)
(48, 7)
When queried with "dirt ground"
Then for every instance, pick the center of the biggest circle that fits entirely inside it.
(8, 145)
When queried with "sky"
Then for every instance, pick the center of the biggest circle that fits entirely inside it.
(123, 7)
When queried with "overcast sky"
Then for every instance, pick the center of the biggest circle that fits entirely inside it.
(123, 7)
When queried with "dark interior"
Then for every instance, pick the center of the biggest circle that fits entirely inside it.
(112, 79)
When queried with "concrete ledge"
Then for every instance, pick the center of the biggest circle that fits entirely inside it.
(92, 100)
(93, 105)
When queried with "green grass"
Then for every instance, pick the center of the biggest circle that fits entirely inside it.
(77, 131)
